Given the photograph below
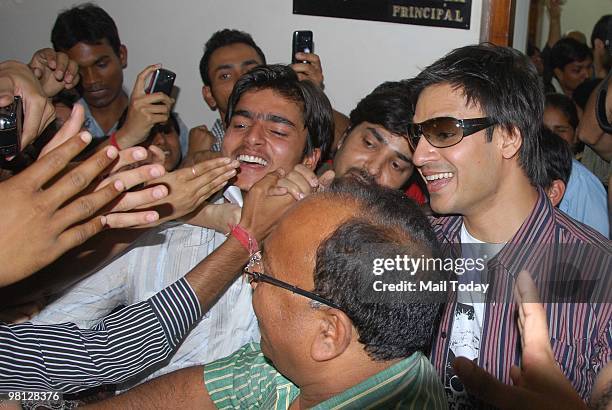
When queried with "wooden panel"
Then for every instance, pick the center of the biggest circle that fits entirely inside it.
(498, 22)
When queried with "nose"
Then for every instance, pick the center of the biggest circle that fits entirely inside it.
(374, 165)
(89, 76)
(255, 135)
(158, 139)
(424, 152)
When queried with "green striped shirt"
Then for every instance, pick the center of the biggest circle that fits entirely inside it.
(247, 380)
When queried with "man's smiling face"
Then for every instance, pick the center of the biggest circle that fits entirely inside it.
(266, 132)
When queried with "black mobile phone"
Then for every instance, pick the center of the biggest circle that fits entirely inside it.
(161, 80)
(11, 121)
(302, 43)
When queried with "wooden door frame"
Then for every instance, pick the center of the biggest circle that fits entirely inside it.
(497, 24)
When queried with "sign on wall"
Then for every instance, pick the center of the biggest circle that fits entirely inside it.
(449, 13)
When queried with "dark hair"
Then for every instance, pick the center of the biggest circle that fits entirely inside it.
(532, 49)
(317, 110)
(557, 158)
(600, 30)
(389, 105)
(568, 50)
(224, 38)
(503, 83)
(86, 23)
(388, 327)
(564, 104)
(165, 127)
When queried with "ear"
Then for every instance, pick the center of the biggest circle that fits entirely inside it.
(344, 136)
(511, 142)
(333, 335)
(312, 160)
(123, 55)
(558, 73)
(208, 97)
(556, 191)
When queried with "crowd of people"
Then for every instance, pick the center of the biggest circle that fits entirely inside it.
(147, 265)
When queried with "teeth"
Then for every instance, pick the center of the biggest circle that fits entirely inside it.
(252, 159)
(439, 176)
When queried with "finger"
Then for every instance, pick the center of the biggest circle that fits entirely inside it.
(71, 77)
(70, 128)
(136, 176)
(326, 179)
(37, 111)
(486, 387)
(156, 155)
(133, 200)
(78, 234)
(312, 58)
(86, 206)
(44, 169)
(129, 156)
(157, 98)
(307, 175)
(131, 219)
(277, 191)
(214, 185)
(61, 66)
(80, 177)
(293, 189)
(139, 85)
(210, 164)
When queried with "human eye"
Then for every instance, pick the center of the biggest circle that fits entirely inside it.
(225, 76)
(368, 142)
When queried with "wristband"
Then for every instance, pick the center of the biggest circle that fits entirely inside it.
(113, 140)
(243, 236)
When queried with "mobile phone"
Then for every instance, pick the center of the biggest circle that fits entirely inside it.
(302, 43)
(161, 80)
(11, 121)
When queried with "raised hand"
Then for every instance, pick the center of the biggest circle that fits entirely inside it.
(17, 79)
(539, 383)
(145, 110)
(312, 71)
(55, 70)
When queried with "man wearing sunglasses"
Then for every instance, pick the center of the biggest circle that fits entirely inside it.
(326, 342)
(475, 138)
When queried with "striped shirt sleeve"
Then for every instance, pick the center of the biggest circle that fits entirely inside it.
(68, 359)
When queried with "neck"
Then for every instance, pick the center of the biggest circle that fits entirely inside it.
(497, 219)
(335, 379)
(108, 115)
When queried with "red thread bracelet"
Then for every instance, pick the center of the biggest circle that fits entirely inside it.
(243, 236)
(113, 140)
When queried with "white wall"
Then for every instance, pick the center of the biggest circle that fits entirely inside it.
(521, 23)
(576, 15)
(356, 55)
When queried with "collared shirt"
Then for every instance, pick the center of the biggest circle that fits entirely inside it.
(100, 135)
(247, 380)
(159, 257)
(585, 199)
(218, 131)
(581, 333)
(68, 359)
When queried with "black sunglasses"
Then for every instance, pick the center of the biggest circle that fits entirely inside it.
(444, 132)
(258, 276)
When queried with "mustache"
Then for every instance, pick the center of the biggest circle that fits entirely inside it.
(361, 175)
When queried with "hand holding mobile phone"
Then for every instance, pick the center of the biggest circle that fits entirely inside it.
(302, 43)
(162, 80)
(11, 122)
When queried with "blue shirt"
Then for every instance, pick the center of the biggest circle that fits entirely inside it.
(585, 199)
(98, 133)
